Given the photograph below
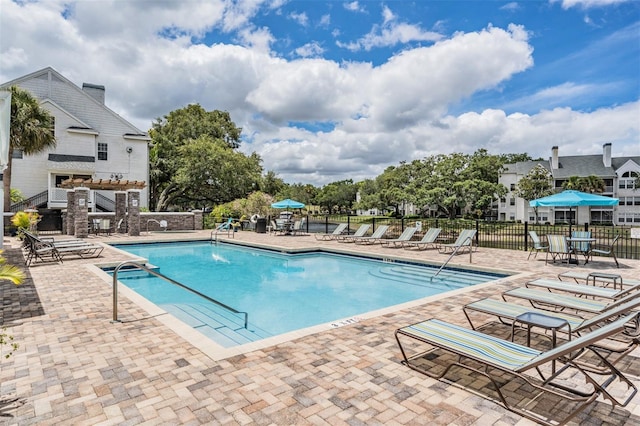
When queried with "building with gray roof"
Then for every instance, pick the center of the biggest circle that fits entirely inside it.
(619, 174)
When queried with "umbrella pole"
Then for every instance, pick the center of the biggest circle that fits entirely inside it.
(570, 219)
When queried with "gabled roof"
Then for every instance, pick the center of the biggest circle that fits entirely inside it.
(582, 165)
(573, 165)
(81, 124)
(53, 74)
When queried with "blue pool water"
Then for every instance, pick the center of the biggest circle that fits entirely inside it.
(280, 292)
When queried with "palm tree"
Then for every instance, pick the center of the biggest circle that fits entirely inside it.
(10, 272)
(31, 131)
(592, 184)
(572, 183)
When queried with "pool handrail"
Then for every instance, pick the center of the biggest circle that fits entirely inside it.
(453, 253)
(139, 265)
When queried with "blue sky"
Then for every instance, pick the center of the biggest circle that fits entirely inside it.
(331, 90)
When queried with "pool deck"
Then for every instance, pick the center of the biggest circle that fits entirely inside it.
(74, 366)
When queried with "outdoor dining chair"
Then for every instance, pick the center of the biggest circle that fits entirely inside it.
(557, 249)
(536, 245)
(606, 250)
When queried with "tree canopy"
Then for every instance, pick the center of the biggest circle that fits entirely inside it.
(447, 185)
(194, 160)
(537, 183)
(337, 196)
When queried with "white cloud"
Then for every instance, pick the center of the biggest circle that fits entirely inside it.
(309, 50)
(586, 4)
(373, 115)
(353, 6)
(513, 6)
(301, 18)
(325, 21)
(390, 33)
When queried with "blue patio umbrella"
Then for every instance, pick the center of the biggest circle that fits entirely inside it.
(571, 198)
(288, 204)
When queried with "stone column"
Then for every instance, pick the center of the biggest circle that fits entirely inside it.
(70, 225)
(133, 218)
(121, 211)
(197, 220)
(81, 212)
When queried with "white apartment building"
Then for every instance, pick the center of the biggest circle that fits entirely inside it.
(618, 173)
(93, 142)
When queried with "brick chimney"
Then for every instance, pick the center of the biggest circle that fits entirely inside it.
(606, 154)
(554, 158)
(95, 91)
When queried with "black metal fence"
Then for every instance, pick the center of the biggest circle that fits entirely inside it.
(503, 235)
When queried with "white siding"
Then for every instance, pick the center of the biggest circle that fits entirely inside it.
(75, 109)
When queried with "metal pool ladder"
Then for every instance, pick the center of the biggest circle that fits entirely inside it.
(453, 253)
(169, 280)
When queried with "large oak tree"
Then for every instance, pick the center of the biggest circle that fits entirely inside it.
(194, 160)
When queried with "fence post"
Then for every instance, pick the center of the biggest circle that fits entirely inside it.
(526, 235)
(326, 224)
(477, 233)
(348, 223)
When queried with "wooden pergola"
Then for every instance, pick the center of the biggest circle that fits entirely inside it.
(103, 184)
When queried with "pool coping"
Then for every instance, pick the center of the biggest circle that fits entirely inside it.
(217, 352)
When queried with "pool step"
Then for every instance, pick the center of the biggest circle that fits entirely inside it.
(218, 324)
(133, 273)
(416, 275)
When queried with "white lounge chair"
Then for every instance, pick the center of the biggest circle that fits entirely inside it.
(463, 242)
(376, 237)
(332, 235)
(406, 235)
(360, 232)
(429, 240)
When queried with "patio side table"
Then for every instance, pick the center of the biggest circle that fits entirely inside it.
(535, 319)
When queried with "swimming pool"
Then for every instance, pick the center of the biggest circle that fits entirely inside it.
(280, 292)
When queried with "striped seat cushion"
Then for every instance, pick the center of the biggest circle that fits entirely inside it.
(603, 292)
(561, 300)
(512, 310)
(472, 344)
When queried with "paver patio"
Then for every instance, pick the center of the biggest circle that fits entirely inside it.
(76, 367)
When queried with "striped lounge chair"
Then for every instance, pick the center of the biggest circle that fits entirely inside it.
(603, 279)
(581, 290)
(497, 359)
(507, 313)
(556, 301)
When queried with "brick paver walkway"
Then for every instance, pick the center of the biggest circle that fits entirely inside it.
(75, 367)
